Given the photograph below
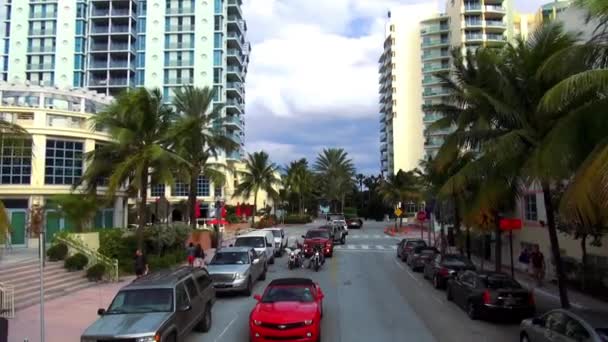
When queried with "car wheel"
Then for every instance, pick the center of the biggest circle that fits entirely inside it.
(448, 294)
(205, 324)
(472, 311)
(271, 260)
(343, 240)
(524, 337)
(436, 282)
(249, 288)
(263, 275)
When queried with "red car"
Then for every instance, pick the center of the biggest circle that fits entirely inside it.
(289, 310)
(318, 237)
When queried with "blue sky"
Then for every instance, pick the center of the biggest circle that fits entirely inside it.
(313, 78)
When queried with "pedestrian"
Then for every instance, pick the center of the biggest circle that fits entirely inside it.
(199, 256)
(141, 264)
(190, 252)
(524, 260)
(8, 239)
(538, 265)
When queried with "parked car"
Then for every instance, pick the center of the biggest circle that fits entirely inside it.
(483, 294)
(336, 232)
(342, 224)
(163, 306)
(566, 325)
(290, 309)
(236, 269)
(280, 240)
(354, 223)
(405, 246)
(318, 237)
(335, 216)
(262, 241)
(420, 256)
(441, 268)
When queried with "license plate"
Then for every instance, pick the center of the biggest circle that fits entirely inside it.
(510, 301)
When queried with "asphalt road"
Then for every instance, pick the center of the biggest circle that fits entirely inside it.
(370, 296)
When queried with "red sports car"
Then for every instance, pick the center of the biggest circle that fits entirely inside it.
(318, 237)
(289, 310)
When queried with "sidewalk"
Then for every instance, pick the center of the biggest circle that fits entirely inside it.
(578, 300)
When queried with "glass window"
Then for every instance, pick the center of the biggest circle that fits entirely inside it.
(192, 291)
(157, 190)
(575, 330)
(63, 164)
(230, 258)
(218, 22)
(217, 58)
(202, 186)
(556, 321)
(217, 75)
(218, 40)
(142, 300)
(179, 189)
(218, 7)
(102, 181)
(530, 209)
(203, 281)
(80, 27)
(15, 162)
(81, 9)
(181, 297)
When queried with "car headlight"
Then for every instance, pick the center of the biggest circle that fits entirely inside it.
(293, 254)
(308, 322)
(152, 338)
(241, 275)
(257, 322)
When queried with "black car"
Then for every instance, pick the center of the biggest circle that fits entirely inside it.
(485, 294)
(354, 223)
(420, 256)
(439, 269)
(405, 246)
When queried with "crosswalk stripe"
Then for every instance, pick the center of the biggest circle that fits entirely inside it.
(364, 246)
(380, 247)
(351, 246)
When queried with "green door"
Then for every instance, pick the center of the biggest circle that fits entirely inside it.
(18, 227)
(53, 225)
(108, 218)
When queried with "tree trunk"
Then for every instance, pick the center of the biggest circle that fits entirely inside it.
(457, 222)
(483, 250)
(192, 197)
(301, 204)
(557, 258)
(443, 238)
(584, 261)
(498, 246)
(141, 210)
(255, 208)
(468, 243)
(342, 203)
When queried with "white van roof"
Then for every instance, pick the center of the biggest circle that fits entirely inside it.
(256, 233)
(273, 228)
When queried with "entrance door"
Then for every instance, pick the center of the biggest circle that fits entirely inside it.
(53, 225)
(18, 227)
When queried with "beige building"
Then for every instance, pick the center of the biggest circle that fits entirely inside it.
(524, 24)
(401, 140)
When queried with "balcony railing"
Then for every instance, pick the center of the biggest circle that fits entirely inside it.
(119, 81)
(472, 7)
(41, 49)
(495, 8)
(179, 10)
(233, 19)
(434, 29)
(7, 300)
(233, 120)
(174, 28)
(41, 66)
(99, 47)
(41, 32)
(431, 117)
(495, 23)
(235, 53)
(470, 23)
(474, 36)
(120, 11)
(435, 55)
(98, 65)
(431, 80)
(496, 37)
(179, 63)
(234, 155)
(119, 29)
(35, 15)
(182, 45)
(119, 64)
(435, 68)
(435, 93)
(432, 42)
(235, 86)
(179, 80)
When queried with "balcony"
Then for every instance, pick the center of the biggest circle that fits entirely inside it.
(235, 155)
(472, 7)
(234, 8)
(41, 32)
(40, 66)
(474, 37)
(179, 28)
(434, 29)
(235, 87)
(436, 68)
(180, 10)
(495, 9)
(35, 49)
(119, 81)
(236, 37)
(428, 80)
(234, 106)
(383, 137)
(120, 12)
(435, 42)
(383, 147)
(234, 73)
(473, 23)
(179, 80)
(495, 24)
(179, 63)
(234, 137)
(234, 54)
(495, 38)
(181, 45)
(119, 28)
(120, 64)
(52, 15)
(435, 93)
(429, 118)
(233, 121)
(431, 56)
(122, 47)
(98, 65)
(233, 20)
(100, 12)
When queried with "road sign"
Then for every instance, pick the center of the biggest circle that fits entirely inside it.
(398, 212)
(507, 224)
(421, 216)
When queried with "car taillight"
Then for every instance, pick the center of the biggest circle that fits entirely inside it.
(531, 299)
(444, 272)
(487, 299)
(305, 245)
(328, 244)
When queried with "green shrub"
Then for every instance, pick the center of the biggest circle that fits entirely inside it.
(156, 263)
(57, 252)
(297, 219)
(232, 218)
(96, 272)
(350, 212)
(76, 262)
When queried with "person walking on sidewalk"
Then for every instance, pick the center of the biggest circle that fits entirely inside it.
(199, 256)
(8, 239)
(524, 260)
(191, 253)
(538, 265)
(141, 264)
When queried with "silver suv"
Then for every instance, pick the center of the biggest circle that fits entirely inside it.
(163, 306)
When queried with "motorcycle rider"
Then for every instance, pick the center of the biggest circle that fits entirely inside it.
(317, 248)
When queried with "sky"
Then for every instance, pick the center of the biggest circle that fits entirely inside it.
(313, 77)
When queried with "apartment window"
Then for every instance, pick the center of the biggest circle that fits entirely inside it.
(530, 209)
(394, 90)
(218, 7)
(79, 27)
(217, 58)
(81, 10)
(104, 218)
(217, 93)
(393, 41)
(141, 25)
(394, 78)
(157, 190)
(218, 41)
(202, 186)
(217, 75)
(179, 189)
(79, 45)
(393, 66)
(392, 53)
(63, 164)
(78, 79)
(15, 162)
(392, 28)
(218, 23)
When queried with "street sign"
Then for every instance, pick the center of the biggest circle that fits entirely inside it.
(507, 224)
(421, 216)
(398, 212)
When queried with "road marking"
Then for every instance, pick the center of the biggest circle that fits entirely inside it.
(394, 247)
(380, 247)
(351, 246)
(338, 247)
(364, 246)
(415, 279)
(225, 329)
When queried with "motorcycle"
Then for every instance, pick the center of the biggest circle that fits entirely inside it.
(317, 259)
(296, 258)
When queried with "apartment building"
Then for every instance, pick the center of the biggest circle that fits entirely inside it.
(401, 141)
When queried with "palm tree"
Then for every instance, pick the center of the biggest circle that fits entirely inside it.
(138, 122)
(260, 174)
(337, 174)
(198, 138)
(402, 187)
(360, 178)
(80, 209)
(299, 181)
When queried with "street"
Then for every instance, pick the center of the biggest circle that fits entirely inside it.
(370, 295)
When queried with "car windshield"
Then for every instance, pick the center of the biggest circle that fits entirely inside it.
(603, 333)
(456, 260)
(427, 252)
(336, 217)
(230, 258)
(317, 234)
(288, 294)
(276, 233)
(418, 243)
(494, 282)
(142, 301)
(250, 241)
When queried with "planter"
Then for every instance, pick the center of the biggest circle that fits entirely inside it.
(32, 243)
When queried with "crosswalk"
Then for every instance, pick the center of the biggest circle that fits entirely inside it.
(366, 247)
(369, 236)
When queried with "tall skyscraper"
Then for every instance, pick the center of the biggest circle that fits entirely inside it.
(110, 45)
(401, 141)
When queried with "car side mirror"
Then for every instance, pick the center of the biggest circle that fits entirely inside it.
(230, 245)
(538, 321)
(255, 261)
(257, 297)
(186, 308)
(268, 244)
(101, 312)
(303, 237)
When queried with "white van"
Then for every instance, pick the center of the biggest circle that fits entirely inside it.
(262, 241)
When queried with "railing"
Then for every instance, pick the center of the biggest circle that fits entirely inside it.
(7, 301)
(176, 28)
(93, 256)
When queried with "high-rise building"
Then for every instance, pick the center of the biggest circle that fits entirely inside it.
(110, 45)
(467, 25)
(401, 141)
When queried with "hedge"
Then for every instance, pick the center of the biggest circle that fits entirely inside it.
(76, 262)
(297, 219)
(57, 252)
(96, 272)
